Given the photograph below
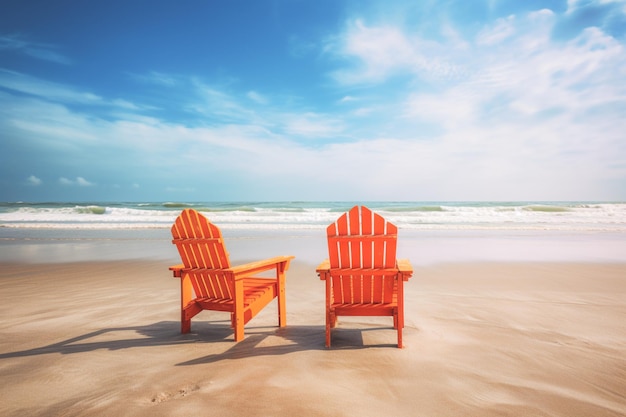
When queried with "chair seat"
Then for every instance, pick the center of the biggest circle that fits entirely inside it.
(253, 290)
(383, 309)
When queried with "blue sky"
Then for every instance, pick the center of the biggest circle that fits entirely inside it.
(312, 100)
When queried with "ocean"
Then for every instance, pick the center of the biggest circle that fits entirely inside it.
(429, 232)
(562, 216)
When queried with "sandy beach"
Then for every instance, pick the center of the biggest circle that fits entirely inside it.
(485, 338)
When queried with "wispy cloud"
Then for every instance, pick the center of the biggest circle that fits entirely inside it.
(574, 5)
(62, 93)
(41, 51)
(257, 97)
(264, 115)
(497, 33)
(377, 52)
(156, 77)
(213, 102)
(27, 84)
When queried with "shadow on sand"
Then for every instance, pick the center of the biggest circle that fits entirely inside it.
(259, 341)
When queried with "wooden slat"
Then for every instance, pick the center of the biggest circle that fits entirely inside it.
(368, 288)
(203, 287)
(364, 309)
(188, 229)
(205, 228)
(379, 246)
(199, 223)
(333, 246)
(344, 246)
(195, 255)
(367, 238)
(369, 281)
(390, 252)
(366, 222)
(363, 271)
(354, 217)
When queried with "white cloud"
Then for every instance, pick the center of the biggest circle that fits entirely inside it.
(83, 182)
(34, 181)
(79, 181)
(451, 109)
(528, 75)
(347, 99)
(379, 52)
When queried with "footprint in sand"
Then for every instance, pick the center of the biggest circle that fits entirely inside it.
(167, 396)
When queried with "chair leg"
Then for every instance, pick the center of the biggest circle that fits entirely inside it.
(185, 324)
(282, 310)
(186, 295)
(398, 319)
(238, 325)
(238, 314)
(328, 327)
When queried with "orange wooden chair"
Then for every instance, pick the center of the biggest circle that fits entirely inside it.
(208, 282)
(363, 277)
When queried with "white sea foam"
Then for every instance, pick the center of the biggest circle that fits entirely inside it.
(303, 216)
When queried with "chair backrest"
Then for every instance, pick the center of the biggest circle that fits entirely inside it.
(362, 256)
(203, 253)
(199, 242)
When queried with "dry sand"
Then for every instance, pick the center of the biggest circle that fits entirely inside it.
(482, 339)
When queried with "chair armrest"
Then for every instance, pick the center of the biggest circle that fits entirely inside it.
(177, 270)
(252, 268)
(323, 269)
(405, 268)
